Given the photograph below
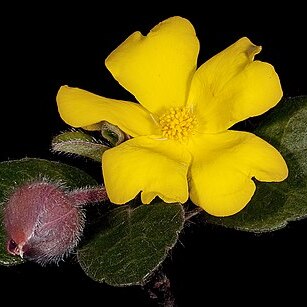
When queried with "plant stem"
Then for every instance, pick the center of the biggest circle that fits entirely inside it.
(159, 289)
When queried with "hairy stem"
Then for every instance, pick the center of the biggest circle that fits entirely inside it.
(89, 195)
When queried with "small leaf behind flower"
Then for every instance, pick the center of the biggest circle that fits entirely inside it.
(275, 204)
(13, 173)
(79, 143)
(112, 133)
(132, 243)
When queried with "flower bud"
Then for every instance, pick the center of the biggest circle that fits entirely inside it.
(44, 222)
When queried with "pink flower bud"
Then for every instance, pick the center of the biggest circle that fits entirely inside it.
(44, 222)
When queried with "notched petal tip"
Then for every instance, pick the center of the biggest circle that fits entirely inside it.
(223, 167)
(146, 165)
(157, 68)
(174, 23)
(111, 62)
(148, 197)
(249, 48)
(232, 80)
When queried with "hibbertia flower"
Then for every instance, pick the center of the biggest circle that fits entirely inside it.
(181, 146)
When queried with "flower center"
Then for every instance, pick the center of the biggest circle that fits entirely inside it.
(178, 123)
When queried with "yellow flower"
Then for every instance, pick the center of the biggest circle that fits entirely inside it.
(181, 147)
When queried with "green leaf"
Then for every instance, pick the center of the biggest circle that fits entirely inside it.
(131, 243)
(79, 143)
(276, 204)
(112, 133)
(13, 173)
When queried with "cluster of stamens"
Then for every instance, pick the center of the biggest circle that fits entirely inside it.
(177, 124)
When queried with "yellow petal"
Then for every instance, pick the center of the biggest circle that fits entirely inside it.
(79, 108)
(151, 166)
(223, 165)
(157, 68)
(231, 87)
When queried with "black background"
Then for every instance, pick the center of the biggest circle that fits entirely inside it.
(46, 46)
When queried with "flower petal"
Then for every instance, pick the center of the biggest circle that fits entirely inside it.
(151, 166)
(223, 165)
(157, 68)
(231, 87)
(79, 108)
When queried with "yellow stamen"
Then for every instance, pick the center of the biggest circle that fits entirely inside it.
(177, 123)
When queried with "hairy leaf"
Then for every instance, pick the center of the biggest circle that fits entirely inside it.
(79, 143)
(131, 243)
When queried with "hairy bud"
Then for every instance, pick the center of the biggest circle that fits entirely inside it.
(44, 222)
